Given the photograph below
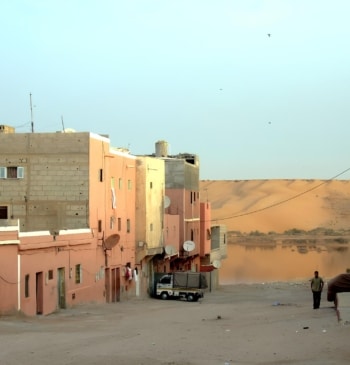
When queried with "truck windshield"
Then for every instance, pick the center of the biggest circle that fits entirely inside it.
(165, 280)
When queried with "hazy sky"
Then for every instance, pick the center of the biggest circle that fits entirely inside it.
(203, 75)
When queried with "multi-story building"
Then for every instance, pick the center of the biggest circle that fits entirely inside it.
(81, 221)
(149, 217)
(60, 184)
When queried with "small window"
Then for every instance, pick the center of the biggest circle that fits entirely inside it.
(78, 274)
(26, 286)
(120, 183)
(119, 224)
(111, 222)
(151, 227)
(151, 185)
(50, 275)
(3, 212)
(101, 175)
(129, 185)
(99, 225)
(128, 225)
(11, 172)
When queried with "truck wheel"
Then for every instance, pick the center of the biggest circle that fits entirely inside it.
(190, 297)
(164, 295)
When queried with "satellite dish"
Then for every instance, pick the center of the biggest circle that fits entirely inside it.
(189, 246)
(167, 202)
(216, 264)
(170, 250)
(111, 241)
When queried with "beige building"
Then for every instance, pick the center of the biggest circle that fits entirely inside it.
(149, 216)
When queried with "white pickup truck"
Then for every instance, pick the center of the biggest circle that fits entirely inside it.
(182, 285)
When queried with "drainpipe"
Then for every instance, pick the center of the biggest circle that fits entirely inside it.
(18, 282)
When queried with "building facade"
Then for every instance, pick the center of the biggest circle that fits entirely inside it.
(61, 184)
(81, 221)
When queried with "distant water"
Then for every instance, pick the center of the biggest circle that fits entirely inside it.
(262, 263)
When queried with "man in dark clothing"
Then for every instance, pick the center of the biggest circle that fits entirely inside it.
(316, 288)
(339, 284)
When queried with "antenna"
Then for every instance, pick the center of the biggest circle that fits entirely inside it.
(31, 113)
(62, 124)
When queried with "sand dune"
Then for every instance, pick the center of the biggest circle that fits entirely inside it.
(278, 205)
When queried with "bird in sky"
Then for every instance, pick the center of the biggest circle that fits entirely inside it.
(269, 34)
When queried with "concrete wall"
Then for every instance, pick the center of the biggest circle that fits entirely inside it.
(53, 194)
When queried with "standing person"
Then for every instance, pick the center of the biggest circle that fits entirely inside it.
(339, 284)
(316, 287)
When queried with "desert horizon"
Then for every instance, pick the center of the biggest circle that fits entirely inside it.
(278, 205)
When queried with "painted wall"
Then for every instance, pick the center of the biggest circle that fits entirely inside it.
(8, 277)
(205, 227)
(112, 198)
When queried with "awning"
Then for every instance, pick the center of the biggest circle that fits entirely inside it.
(207, 268)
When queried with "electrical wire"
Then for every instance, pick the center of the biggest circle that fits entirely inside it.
(282, 201)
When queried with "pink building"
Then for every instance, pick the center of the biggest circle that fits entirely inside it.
(77, 216)
(74, 197)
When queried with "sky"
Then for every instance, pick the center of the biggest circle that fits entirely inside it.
(258, 89)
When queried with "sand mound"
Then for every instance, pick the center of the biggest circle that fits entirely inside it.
(278, 205)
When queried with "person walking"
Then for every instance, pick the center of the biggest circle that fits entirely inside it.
(316, 288)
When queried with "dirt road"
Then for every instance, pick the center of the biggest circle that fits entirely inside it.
(240, 324)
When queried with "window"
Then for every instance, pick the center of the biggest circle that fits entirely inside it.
(101, 175)
(151, 227)
(151, 185)
(11, 172)
(26, 286)
(165, 280)
(111, 222)
(119, 224)
(50, 275)
(129, 184)
(3, 212)
(78, 274)
(128, 225)
(120, 183)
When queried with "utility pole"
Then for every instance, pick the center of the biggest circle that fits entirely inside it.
(63, 130)
(31, 113)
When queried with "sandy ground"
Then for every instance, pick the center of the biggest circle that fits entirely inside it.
(241, 324)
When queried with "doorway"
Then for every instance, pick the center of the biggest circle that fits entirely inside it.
(39, 293)
(61, 288)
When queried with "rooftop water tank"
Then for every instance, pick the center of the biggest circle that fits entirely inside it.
(161, 149)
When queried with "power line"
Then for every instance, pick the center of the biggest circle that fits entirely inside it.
(282, 201)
